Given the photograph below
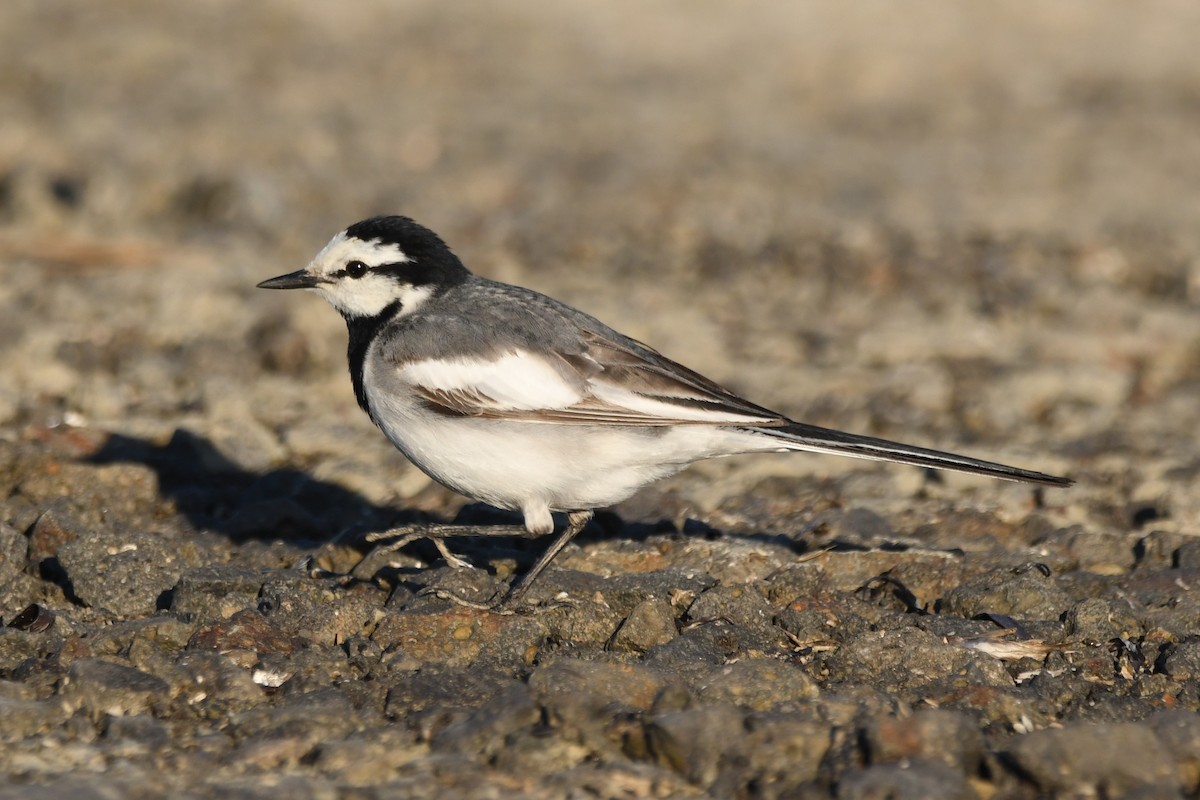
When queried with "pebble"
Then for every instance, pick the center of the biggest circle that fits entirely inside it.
(1107, 759)
(1027, 592)
(124, 574)
(14, 553)
(103, 687)
(216, 591)
(651, 623)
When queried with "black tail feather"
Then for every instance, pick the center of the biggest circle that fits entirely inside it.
(825, 440)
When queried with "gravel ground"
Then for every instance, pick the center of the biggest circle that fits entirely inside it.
(965, 226)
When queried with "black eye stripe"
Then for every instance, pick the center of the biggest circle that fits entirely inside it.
(416, 272)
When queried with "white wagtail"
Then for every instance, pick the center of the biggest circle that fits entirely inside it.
(510, 397)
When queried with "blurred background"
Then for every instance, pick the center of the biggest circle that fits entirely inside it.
(970, 226)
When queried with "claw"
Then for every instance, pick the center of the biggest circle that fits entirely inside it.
(455, 561)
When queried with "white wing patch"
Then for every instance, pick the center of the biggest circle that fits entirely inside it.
(520, 385)
(517, 381)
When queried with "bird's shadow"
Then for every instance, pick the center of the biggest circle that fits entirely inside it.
(213, 493)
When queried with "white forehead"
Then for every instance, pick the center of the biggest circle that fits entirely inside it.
(343, 249)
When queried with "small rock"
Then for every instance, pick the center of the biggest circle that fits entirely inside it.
(1103, 760)
(14, 553)
(1103, 553)
(697, 741)
(1160, 549)
(312, 668)
(321, 611)
(1188, 554)
(485, 731)
(913, 780)
(168, 632)
(905, 660)
(451, 688)
(623, 592)
(782, 752)
(584, 624)
(212, 685)
(462, 636)
(1093, 622)
(18, 512)
(704, 645)
(309, 716)
(590, 704)
(568, 680)
(23, 719)
(738, 603)
(246, 631)
(125, 574)
(758, 685)
(372, 757)
(1179, 732)
(216, 591)
(816, 620)
(950, 737)
(1182, 661)
(651, 623)
(107, 687)
(93, 493)
(53, 529)
(795, 582)
(17, 646)
(234, 441)
(1024, 592)
(139, 728)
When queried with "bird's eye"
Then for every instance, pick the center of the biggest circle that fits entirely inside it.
(356, 269)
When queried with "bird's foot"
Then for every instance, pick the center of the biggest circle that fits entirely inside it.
(398, 538)
(446, 594)
(507, 605)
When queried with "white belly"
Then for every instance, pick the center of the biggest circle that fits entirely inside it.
(519, 465)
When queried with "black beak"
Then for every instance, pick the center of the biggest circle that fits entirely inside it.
(293, 280)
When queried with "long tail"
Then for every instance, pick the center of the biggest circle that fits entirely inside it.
(799, 436)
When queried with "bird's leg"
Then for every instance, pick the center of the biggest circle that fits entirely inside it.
(576, 521)
(398, 538)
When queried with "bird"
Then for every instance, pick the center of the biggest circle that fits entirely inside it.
(520, 401)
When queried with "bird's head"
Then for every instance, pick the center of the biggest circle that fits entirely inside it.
(376, 265)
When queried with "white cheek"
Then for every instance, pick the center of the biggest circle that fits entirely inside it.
(370, 295)
(413, 297)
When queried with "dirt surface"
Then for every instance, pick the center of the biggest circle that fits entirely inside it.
(967, 226)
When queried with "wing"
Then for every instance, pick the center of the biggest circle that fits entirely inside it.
(604, 381)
